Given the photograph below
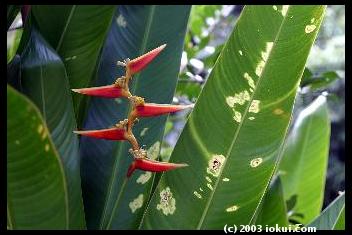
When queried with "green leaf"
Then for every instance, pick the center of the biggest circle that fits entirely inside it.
(273, 210)
(333, 217)
(13, 72)
(15, 41)
(36, 187)
(189, 88)
(12, 11)
(323, 80)
(305, 158)
(77, 33)
(135, 30)
(291, 202)
(234, 136)
(319, 81)
(44, 81)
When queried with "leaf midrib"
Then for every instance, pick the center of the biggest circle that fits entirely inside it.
(338, 217)
(55, 152)
(65, 28)
(133, 89)
(209, 201)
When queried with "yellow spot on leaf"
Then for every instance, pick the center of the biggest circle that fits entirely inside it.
(143, 178)
(71, 58)
(167, 203)
(259, 68)
(265, 55)
(17, 142)
(230, 100)
(47, 147)
(256, 162)
(153, 151)
(226, 179)
(232, 208)
(210, 187)
(144, 131)
(278, 111)
(275, 7)
(249, 80)
(197, 195)
(215, 164)
(40, 129)
(44, 135)
(120, 20)
(237, 117)
(284, 10)
(136, 203)
(208, 179)
(310, 28)
(254, 108)
(241, 53)
(251, 118)
(118, 100)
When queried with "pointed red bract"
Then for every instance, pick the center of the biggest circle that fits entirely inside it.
(153, 166)
(110, 91)
(150, 109)
(108, 134)
(142, 61)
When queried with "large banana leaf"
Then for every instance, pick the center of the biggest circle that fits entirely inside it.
(44, 81)
(234, 136)
(77, 33)
(135, 30)
(36, 187)
(333, 217)
(304, 163)
(273, 210)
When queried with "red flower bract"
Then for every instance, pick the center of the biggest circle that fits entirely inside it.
(151, 165)
(142, 61)
(150, 109)
(108, 134)
(110, 91)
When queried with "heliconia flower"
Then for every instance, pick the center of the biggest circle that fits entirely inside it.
(113, 133)
(137, 64)
(153, 166)
(109, 91)
(151, 109)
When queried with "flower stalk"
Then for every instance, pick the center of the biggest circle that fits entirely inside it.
(123, 131)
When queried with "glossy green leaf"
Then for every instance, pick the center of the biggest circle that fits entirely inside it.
(305, 159)
(77, 33)
(15, 41)
(322, 80)
(234, 136)
(44, 81)
(36, 186)
(273, 210)
(135, 30)
(333, 217)
(12, 11)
